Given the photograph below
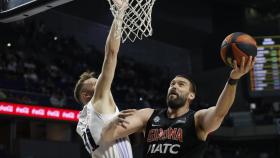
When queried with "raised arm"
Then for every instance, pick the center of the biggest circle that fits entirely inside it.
(104, 82)
(208, 120)
(126, 123)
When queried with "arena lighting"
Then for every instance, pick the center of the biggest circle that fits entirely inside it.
(13, 10)
(40, 112)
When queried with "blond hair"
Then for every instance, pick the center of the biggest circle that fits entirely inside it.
(78, 87)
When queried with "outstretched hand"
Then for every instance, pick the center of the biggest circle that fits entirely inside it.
(122, 5)
(239, 71)
(122, 115)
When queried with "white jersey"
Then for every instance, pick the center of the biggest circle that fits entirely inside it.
(90, 127)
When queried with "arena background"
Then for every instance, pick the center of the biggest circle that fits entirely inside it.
(42, 56)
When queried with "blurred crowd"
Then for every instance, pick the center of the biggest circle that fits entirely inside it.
(237, 150)
(41, 67)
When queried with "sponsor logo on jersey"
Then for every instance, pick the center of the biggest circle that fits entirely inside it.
(167, 134)
(184, 120)
(156, 119)
(164, 148)
(155, 125)
(156, 122)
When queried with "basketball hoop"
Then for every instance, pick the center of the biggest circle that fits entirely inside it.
(136, 22)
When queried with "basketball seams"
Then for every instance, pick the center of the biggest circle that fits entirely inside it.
(249, 49)
(227, 53)
(225, 44)
(243, 43)
(246, 39)
(238, 54)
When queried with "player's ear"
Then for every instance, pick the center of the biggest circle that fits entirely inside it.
(191, 96)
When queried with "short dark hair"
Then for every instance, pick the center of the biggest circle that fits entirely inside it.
(78, 87)
(189, 78)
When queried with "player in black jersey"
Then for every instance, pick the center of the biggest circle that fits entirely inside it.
(177, 131)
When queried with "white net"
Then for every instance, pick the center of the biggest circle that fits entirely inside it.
(137, 18)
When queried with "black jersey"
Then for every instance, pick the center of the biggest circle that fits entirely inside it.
(172, 138)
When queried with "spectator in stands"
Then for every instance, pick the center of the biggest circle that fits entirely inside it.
(3, 96)
(37, 63)
(58, 98)
(3, 152)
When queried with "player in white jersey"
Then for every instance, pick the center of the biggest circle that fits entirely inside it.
(99, 105)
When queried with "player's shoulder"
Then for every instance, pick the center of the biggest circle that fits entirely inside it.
(87, 111)
(90, 108)
(203, 111)
(83, 112)
(145, 113)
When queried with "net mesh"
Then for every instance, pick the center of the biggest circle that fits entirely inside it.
(136, 22)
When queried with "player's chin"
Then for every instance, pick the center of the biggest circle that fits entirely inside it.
(172, 96)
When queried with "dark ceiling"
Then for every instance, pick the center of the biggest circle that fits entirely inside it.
(164, 12)
(169, 17)
(195, 25)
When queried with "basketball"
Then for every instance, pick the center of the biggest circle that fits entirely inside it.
(237, 45)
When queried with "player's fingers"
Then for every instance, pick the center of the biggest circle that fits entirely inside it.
(121, 124)
(235, 67)
(249, 63)
(126, 113)
(242, 66)
(253, 63)
(122, 120)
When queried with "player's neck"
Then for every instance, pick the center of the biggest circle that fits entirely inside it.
(174, 113)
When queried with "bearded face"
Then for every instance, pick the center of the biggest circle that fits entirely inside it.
(178, 93)
(175, 100)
